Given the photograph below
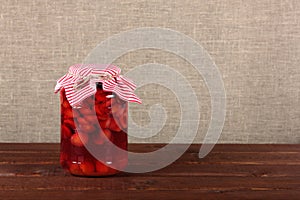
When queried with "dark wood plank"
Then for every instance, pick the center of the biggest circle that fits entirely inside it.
(124, 182)
(32, 171)
(188, 158)
(149, 195)
(152, 147)
(172, 170)
(154, 187)
(284, 157)
(27, 147)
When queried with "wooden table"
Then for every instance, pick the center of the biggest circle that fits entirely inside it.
(230, 171)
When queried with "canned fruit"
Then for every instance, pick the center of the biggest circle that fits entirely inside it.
(79, 140)
(101, 119)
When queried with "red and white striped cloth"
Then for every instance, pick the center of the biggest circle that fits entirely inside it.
(80, 83)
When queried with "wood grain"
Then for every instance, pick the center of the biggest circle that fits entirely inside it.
(32, 171)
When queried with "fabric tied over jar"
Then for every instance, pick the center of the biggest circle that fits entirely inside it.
(80, 83)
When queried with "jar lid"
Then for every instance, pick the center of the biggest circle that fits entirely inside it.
(80, 83)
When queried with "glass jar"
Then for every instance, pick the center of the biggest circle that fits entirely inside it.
(101, 119)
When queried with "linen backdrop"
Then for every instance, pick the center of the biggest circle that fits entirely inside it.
(254, 43)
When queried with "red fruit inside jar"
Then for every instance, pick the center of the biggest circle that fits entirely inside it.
(94, 124)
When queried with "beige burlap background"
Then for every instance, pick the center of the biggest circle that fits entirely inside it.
(255, 44)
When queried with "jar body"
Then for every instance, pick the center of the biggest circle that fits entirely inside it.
(100, 122)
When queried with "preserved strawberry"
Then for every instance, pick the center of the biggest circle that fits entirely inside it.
(79, 140)
(66, 132)
(74, 168)
(114, 126)
(101, 168)
(87, 168)
(105, 123)
(69, 123)
(107, 134)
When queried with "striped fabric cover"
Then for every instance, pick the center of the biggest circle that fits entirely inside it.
(80, 83)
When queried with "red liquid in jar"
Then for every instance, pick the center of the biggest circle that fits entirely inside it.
(80, 127)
